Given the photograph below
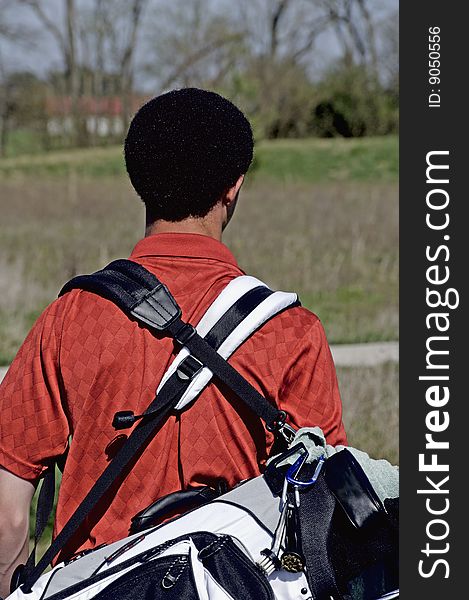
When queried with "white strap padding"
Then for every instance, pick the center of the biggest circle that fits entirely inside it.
(237, 287)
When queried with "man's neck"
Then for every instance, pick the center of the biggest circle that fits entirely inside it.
(211, 225)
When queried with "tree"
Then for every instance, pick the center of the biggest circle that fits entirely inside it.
(110, 34)
(388, 56)
(13, 33)
(5, 108)
(65, 38)
(23, 97)
(256, 55)
(126, 63)
(93, 43)
(196, 45)
(354, 29)
(269, 56)
(282, 29)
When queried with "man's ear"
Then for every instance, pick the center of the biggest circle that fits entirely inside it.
(232, 192)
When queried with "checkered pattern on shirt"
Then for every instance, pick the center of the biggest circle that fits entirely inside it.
(84, 360)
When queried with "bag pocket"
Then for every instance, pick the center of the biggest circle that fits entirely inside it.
(168, 578)
(201, 567)
(233, 571)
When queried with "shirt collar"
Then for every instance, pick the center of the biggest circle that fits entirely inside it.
(187, 245)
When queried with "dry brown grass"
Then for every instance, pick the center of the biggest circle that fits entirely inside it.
(334, 243)
(49, 231)
(371, 409)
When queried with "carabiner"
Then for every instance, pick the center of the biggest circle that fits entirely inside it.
(294, 470)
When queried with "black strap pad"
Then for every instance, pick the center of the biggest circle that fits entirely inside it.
(135, 290)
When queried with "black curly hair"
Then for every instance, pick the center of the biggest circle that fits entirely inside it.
(183, 150)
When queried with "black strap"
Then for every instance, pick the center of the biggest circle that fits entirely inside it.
(123, 281)
(137, 439)
(235, 314)
(227, 374)
(134, 290)
(45, 504)
(139, 294)
(110, 284)
(316, 510)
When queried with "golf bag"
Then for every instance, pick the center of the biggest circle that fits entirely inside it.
(312, 526)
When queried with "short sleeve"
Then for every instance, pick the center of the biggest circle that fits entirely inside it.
(34, 427)
(309, 391)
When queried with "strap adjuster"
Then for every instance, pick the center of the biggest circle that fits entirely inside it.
(189, 368)
(184, 334)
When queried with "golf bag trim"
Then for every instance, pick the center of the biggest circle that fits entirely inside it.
(243, 508)
(273, 303)
(237, 520)
(131, 286)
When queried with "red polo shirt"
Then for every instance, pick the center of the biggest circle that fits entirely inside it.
(84, 360)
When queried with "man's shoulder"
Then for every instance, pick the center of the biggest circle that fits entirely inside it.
(292, 324)
(80, 301)
(80, 308)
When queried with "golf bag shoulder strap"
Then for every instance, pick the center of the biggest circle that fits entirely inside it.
(134, 290)
(243, 306)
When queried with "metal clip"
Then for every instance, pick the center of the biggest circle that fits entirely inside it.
(294, 470)
(287, 432)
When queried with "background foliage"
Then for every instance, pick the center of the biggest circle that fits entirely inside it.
(298, 68)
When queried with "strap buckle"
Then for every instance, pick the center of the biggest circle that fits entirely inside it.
(281, 427)
(189, 368)
(184, 333)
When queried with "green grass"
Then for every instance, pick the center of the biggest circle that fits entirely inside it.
(335, 244)
(355, 314)
(359, 159)
(309, 160)
(24, 141)
(90, 162)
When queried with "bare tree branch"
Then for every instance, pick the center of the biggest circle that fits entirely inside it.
(314, 31)
(279, 11)
(195, 57)
(51, 26)
(370, 34)
(127, 56)
(349, 20)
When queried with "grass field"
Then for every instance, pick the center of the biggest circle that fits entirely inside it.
(335, 244)
(334, 241)
(310, 160)
(371, 412)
